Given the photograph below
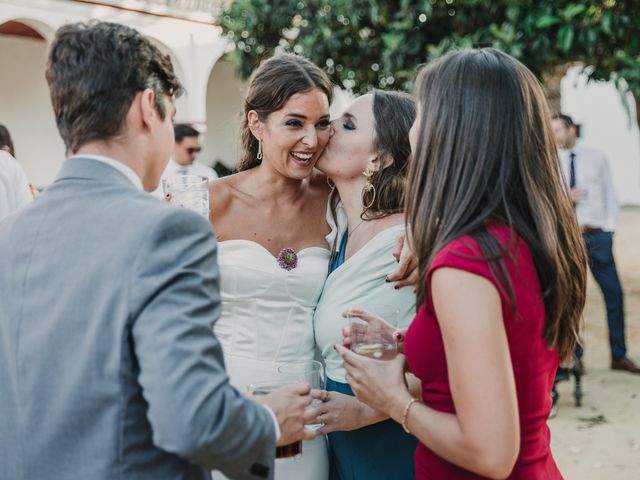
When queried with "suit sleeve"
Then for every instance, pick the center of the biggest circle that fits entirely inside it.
(193, 410)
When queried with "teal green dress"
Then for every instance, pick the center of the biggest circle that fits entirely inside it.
(383, 450)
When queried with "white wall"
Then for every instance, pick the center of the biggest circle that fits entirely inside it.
(195, 47)
(225, 94)
(25, 108)
(605, 125)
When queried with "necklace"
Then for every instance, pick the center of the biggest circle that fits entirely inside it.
(355, 228)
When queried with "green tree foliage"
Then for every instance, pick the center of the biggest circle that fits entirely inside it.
(381, 43)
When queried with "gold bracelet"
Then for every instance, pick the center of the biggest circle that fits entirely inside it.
(406, 413)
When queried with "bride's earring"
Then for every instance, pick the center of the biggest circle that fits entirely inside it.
(368, 191)
(259, 155)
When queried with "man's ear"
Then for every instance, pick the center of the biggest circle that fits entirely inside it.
(148, 111)
(255, 125)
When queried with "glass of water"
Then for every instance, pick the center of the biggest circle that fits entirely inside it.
(311, 372)
(372, 336)
(188, 191)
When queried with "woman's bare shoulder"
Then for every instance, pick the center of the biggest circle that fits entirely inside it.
(224, 191)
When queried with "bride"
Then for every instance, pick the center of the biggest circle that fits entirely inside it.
(271, 227)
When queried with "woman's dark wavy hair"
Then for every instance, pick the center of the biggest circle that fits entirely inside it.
(271, 85)
(393, 115)
(486, 154)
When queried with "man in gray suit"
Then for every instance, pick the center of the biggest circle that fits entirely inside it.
(108, 364)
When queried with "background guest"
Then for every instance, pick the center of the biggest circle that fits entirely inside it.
(586, 172)
(14, 186)
(6, 144)
(183, 159)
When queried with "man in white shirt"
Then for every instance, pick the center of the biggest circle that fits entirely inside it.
(183, 159)
(587, 175)
(14, 187)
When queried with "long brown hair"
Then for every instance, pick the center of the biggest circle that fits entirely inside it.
(271, 85)
(486, 153)
(393, 115)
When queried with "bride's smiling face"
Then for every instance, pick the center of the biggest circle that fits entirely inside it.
(294, 136)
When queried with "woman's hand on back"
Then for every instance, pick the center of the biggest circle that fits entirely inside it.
(406, 274)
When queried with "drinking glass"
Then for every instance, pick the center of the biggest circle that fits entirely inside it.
(189, 191)
(373, 338)
(311, 372)
(293, 450)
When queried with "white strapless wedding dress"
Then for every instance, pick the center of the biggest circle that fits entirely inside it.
(267, 320)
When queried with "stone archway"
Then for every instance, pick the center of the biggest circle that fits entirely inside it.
(225, 95)
(25, 107)
(27, 28)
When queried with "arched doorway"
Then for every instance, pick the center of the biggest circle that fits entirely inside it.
(25, 107)
(225, 94)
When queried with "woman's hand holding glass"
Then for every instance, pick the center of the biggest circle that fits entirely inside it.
(379, 384)
(385, 328)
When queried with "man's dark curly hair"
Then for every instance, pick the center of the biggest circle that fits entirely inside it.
(95, 70)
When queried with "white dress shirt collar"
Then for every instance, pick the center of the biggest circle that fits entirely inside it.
(121, 167)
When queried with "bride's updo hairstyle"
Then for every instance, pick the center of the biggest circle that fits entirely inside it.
(271, 85)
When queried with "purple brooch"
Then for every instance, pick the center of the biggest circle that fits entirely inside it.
(287, 259)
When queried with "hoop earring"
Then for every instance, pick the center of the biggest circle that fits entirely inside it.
(259, 155)
(368, 189)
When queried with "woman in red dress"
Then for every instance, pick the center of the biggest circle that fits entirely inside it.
(504, 269)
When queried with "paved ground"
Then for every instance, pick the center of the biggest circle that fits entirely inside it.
(601, 440)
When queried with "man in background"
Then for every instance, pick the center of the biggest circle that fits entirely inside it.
(587, 174)
(14, 186)
(6, 144)
(183, 158)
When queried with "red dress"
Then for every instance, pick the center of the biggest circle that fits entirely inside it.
(534, 364)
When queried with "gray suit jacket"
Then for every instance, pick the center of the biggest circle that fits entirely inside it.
(109, 368)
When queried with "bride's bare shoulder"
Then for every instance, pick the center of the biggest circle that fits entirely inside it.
(224, 191)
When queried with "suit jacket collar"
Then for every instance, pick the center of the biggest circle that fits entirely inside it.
(87, 168)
